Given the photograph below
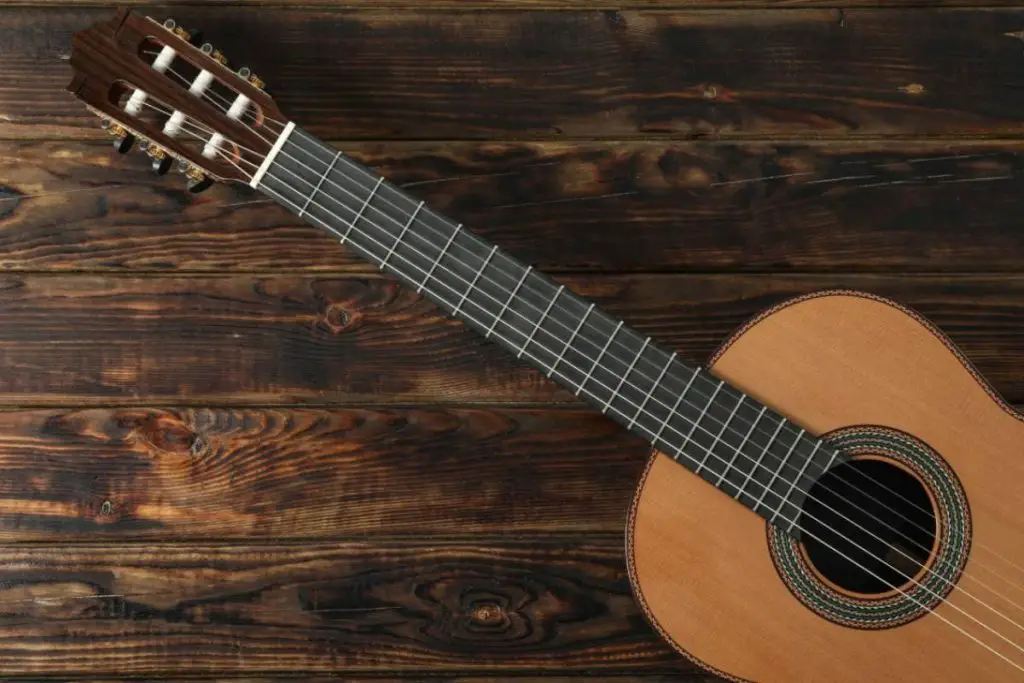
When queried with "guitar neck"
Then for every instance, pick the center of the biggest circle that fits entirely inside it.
(709, 426)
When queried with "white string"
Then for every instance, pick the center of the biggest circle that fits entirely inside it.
(788, 429)
(353, 227)
(767, 487)
(784, 462)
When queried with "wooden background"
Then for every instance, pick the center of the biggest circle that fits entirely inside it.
(227, 449)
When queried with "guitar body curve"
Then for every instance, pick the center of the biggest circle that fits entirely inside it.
(702, 567)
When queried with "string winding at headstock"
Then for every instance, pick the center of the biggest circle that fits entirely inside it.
(158, 86)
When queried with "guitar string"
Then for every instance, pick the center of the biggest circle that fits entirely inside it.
(353, 227)
(224, 105)
(639, 370)
(377, 226)
(785, 480)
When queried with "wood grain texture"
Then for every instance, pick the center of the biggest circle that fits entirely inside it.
(827, 363)
(74, 339)
(587, 206)
(264, 473)
(473, 5)
(757, 73)
(431, 607)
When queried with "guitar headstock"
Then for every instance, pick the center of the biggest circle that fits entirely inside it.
(156, 85)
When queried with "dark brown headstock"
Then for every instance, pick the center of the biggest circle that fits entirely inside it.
(151, 83)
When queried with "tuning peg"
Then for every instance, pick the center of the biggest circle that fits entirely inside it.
(197, 180)
(195, 186)
(123, 139)
(209, 49)
(246, 73)
(162, 161)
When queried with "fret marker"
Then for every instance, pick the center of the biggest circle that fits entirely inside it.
(359, 215)
(433, 266)
(579, 387)
(398, 240)
(508, 301)
(472, 284)
(568, 343)
(274, 151)
(316, 189)
(622, 380)
(539, 321)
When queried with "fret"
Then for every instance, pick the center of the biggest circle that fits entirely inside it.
(782, 463)
(472, 284)
(696, 424)
(319, 184)
(539, 321)
(597, 360)
(433, 266)
(725, 426)
(359, 214)
(793, 484)
(508, 301)
(381, 223)
(650, 392)
(760, 459)
(568, 343)
(272, 155)
(625, 375)
(739, 449)
(828, 465)
(398, 240)
(672, 413)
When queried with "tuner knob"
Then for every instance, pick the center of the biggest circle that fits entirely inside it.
(246, 73)
(209, 49)
(170, 24)
(197, 185)
(123, 143)
(162, 161)
(197, 180)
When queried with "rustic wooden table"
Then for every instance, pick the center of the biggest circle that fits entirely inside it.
(228, 449)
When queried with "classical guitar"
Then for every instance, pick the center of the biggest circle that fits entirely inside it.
(836, 496)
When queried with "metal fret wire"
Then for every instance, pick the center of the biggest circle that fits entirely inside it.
(791, 521)
(352, 226)
(753, 424)
(224, 104)
(860, 474)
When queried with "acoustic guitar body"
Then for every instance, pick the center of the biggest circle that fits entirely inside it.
(751, 605)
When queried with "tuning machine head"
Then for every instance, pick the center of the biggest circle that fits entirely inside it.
(123, 139)
(162, 161)
(198, 180)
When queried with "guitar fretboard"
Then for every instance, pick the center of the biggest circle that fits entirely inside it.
(724, 436)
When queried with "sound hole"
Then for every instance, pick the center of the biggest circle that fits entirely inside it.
(869, 526)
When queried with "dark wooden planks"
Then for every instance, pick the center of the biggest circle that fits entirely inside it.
(286, 339)
(429, 607)
(285, 473)
(596, 206)
(427, 75)
(465, 5)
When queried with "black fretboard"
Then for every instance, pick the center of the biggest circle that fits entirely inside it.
(735, 443)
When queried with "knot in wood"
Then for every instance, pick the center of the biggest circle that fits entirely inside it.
(489, 614)
(336, 318)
